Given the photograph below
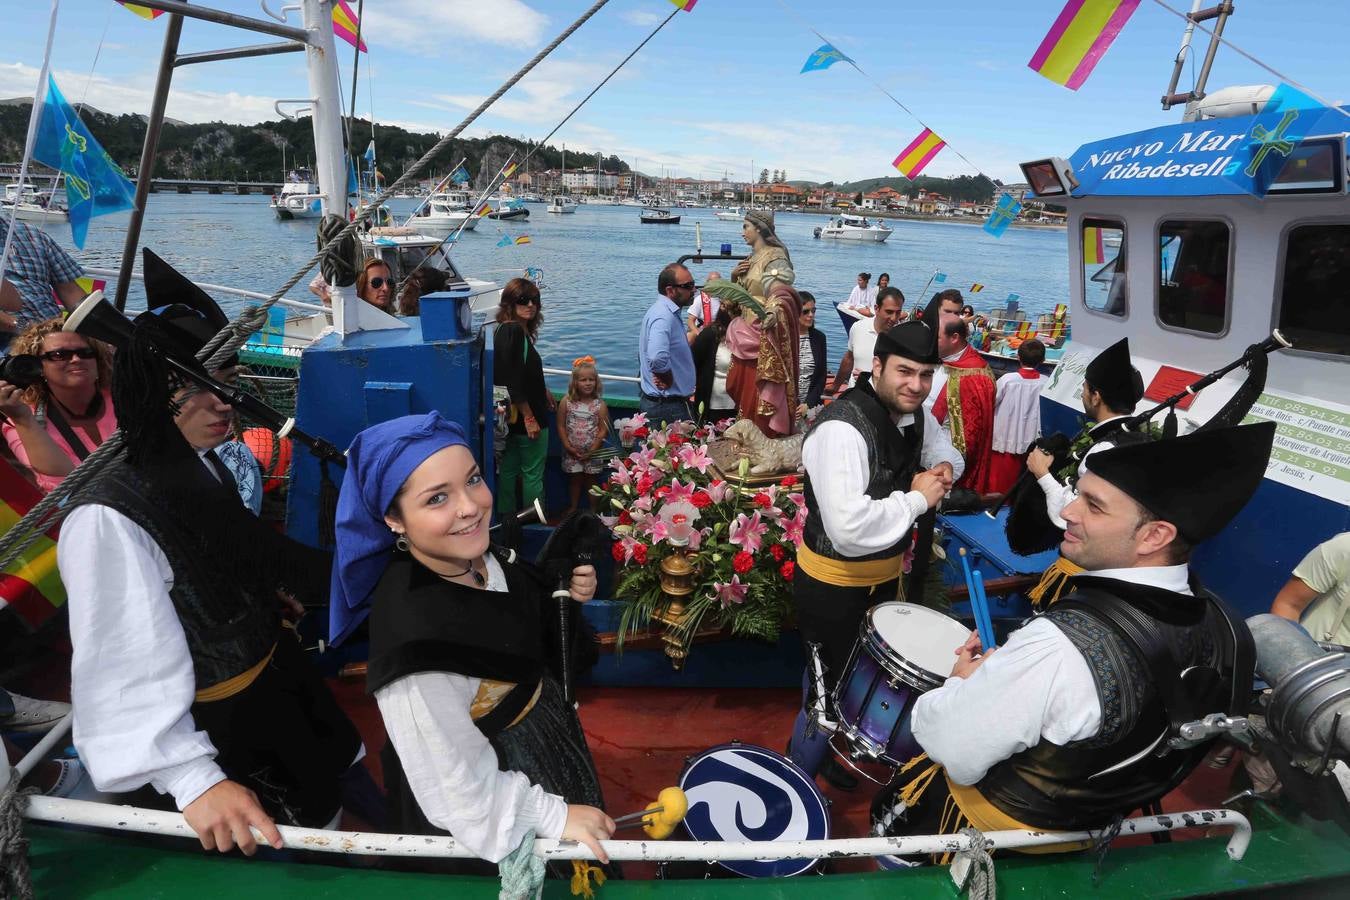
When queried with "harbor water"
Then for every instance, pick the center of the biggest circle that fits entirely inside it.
(600, 264)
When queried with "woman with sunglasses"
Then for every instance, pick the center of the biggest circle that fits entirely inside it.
(518, 370)
(65, 416)
(375, 285)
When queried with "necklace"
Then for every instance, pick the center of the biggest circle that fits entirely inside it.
(478, 577)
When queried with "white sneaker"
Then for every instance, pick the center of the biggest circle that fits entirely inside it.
(32, 715)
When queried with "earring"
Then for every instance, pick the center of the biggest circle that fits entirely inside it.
(401, 542)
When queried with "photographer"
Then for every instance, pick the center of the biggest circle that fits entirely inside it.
(62, 416)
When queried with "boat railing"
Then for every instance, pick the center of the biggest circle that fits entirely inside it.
(238, 292)
(629, 379)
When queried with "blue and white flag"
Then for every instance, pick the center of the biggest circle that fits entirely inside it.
(460, 175)
(823, 58)
(370, 153)
(1003, 215)
(939, 278)
(506, 241)
(95, 185)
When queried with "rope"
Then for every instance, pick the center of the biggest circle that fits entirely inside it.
(522, 872)
(16, 882)
(1102, 844)
(973, 868)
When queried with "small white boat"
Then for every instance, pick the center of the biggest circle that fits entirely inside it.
(300, 197)
(32, 206)
(733, 214)
(854, 228)
(562, 205)
(659, 217)
(446, 212)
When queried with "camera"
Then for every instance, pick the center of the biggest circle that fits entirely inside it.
(21, 370)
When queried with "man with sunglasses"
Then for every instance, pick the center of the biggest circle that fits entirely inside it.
(664, 357)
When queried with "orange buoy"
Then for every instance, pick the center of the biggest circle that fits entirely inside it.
(273, 454)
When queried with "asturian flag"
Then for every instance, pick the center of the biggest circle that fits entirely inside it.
(823, 58)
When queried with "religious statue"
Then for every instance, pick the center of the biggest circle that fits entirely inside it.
(763, 375)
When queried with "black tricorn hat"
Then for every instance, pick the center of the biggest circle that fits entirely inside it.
(186, 316)
(1198, 482)
(912, 340)
(1112, 375)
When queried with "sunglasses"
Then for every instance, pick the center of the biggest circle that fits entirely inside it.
(534, 302)
(378, 282)
(67, 355)
(687, 286)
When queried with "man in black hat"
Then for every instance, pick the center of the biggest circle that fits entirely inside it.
(183, 676)
(1072, 722)
(1112, 387)
(875, 461)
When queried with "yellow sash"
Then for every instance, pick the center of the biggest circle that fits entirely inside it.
(231, 686)
(849, 573)
(987, 817)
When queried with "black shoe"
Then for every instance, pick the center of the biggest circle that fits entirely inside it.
(837, 776)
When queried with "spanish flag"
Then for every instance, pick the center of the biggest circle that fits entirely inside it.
(523, 239)
(1094, 254)
(31, 585)
(346, 25)
(1079, 38)
(143, 11)
(1061, 310)
(976, 288)
(510, 170)
(484, 209)
(919, 153)
(686, 5)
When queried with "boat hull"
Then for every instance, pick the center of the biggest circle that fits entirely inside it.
(866, 236)
(505, 214)
(660, 220)
(30, 213)
(444, 224)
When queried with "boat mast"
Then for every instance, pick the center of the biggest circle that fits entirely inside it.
(1221, 12)
(326, 108)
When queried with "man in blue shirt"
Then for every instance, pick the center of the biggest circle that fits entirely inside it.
(36, 267)
(664, 358)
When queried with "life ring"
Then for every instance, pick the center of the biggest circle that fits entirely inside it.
(273, 455)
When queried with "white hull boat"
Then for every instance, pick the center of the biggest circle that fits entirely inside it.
(854, 228)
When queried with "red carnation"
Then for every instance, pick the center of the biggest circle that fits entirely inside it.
(644, 485)
(677, 439)
(640, 554)
(701, 500)
(787, 570)
(641, 432)
(617, 552)
(742, 562)
(662, 491)
(788, 481)
(625, 517)
(776, 551)
(763, 500)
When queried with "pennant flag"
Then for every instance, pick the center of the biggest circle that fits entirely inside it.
(143, 11)
(919, 153)
(1094, 253)
(523, 239)
(1079, 38)
(1003, 215)
(940, 278)
(535, 275)
(370, 152)
(32, 585)
(345, 24)
(510, 170)
(976, 288)
(87, 284)
(95, 185)
(1057, 332)
(823, 58)
(460, 176)
(505, 241)
(484, 209)
(686, 5)
(1061, 311)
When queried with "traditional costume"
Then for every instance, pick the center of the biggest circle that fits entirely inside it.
(481, 744)
(860, 463)
(1017, 422)
(966, 407)
(763, 375)
(183, 674)
(1069, 725)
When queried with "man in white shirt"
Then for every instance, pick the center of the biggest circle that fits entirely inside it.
(1064, 726)
(862, 338)
(863, 298)
(875, 462)
(182, 675)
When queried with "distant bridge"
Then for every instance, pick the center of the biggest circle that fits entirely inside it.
(179, 185)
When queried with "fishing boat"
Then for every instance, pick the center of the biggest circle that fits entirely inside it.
(508, 208)
(32, 205)
(357, 365)
(445, 212)
(562, 204)
(658, 217)
(299, 197)
(854, 228)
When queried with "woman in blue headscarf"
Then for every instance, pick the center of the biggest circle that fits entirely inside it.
(481, 743)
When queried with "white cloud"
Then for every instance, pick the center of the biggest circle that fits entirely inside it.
(542, 97)
(641, 18)
(437, 27)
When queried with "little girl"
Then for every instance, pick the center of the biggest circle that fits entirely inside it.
(585, 424)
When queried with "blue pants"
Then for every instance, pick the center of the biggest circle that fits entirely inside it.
(665, 409)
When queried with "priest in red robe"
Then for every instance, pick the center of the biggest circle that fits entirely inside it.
(965, 404)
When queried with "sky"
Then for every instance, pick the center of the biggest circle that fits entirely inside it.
(716, 91)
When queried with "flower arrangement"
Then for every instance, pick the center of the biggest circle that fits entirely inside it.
(662, 499)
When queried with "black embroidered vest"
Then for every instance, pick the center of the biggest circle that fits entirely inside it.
(893, 460)
(1128, 764)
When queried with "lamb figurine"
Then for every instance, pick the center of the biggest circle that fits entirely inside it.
(767, 455)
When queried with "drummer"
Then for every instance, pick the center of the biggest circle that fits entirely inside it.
(1063, 727)
(875, 461)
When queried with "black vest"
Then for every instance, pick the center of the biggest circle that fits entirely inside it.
(1154, 637)
(893, 461)
(229, 625)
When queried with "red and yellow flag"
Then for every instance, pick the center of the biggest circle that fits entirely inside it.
(31, 585)
(87, 284)
(144, 12)
(484, 209)
(686, 5)
(1094, 253)
(1079, 38)
(976, 288)
(1061, 310)
(523, 239)
(345, 24)
(919, 153)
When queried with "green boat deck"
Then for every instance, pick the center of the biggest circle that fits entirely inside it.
(1304, 859)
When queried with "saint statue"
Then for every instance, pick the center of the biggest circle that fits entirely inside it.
(763, 374)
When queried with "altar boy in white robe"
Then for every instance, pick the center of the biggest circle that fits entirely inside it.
(1017, 416)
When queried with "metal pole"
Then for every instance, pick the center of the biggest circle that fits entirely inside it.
(1225, 9)
(262, 26)
(326, 117)
(188, 59)
(1182, 53)
(149, 150)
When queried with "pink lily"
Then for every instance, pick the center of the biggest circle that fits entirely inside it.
(798, 498)
(792, 530)
(696, 538)
(731, 592)
(680, 493)
(658, 530)
(641, 459)
(628, 544)
(609, 521)
(695, 456)
(638, 420)
(747, 532)
(622, 476)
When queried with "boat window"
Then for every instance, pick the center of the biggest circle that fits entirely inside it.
(1193, 289)
(1103, 255)
(1315, 296)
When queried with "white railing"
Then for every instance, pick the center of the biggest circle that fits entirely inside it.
(126, 818)
(239, 292)
(631, 379)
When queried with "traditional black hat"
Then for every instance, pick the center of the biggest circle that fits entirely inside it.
(1198, 482)
(912, 340)
(186, 316)
(1112, 375)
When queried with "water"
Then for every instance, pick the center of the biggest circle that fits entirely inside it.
(600, 264)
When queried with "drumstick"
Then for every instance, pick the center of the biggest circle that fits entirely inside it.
(977, 607)
(984, 623)
(637, 817)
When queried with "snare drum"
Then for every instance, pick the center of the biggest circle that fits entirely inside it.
(740, 792)
(903, 651)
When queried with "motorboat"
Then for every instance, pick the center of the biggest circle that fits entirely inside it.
(854, 228)
(446, 212)
(562, 205)
(733, 214)
(509, 208)
(659, 217)
(31, 205)
(299, 198)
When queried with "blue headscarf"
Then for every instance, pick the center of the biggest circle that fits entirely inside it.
(379, 460)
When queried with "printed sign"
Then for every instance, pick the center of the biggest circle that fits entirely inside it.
(1312, 443)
